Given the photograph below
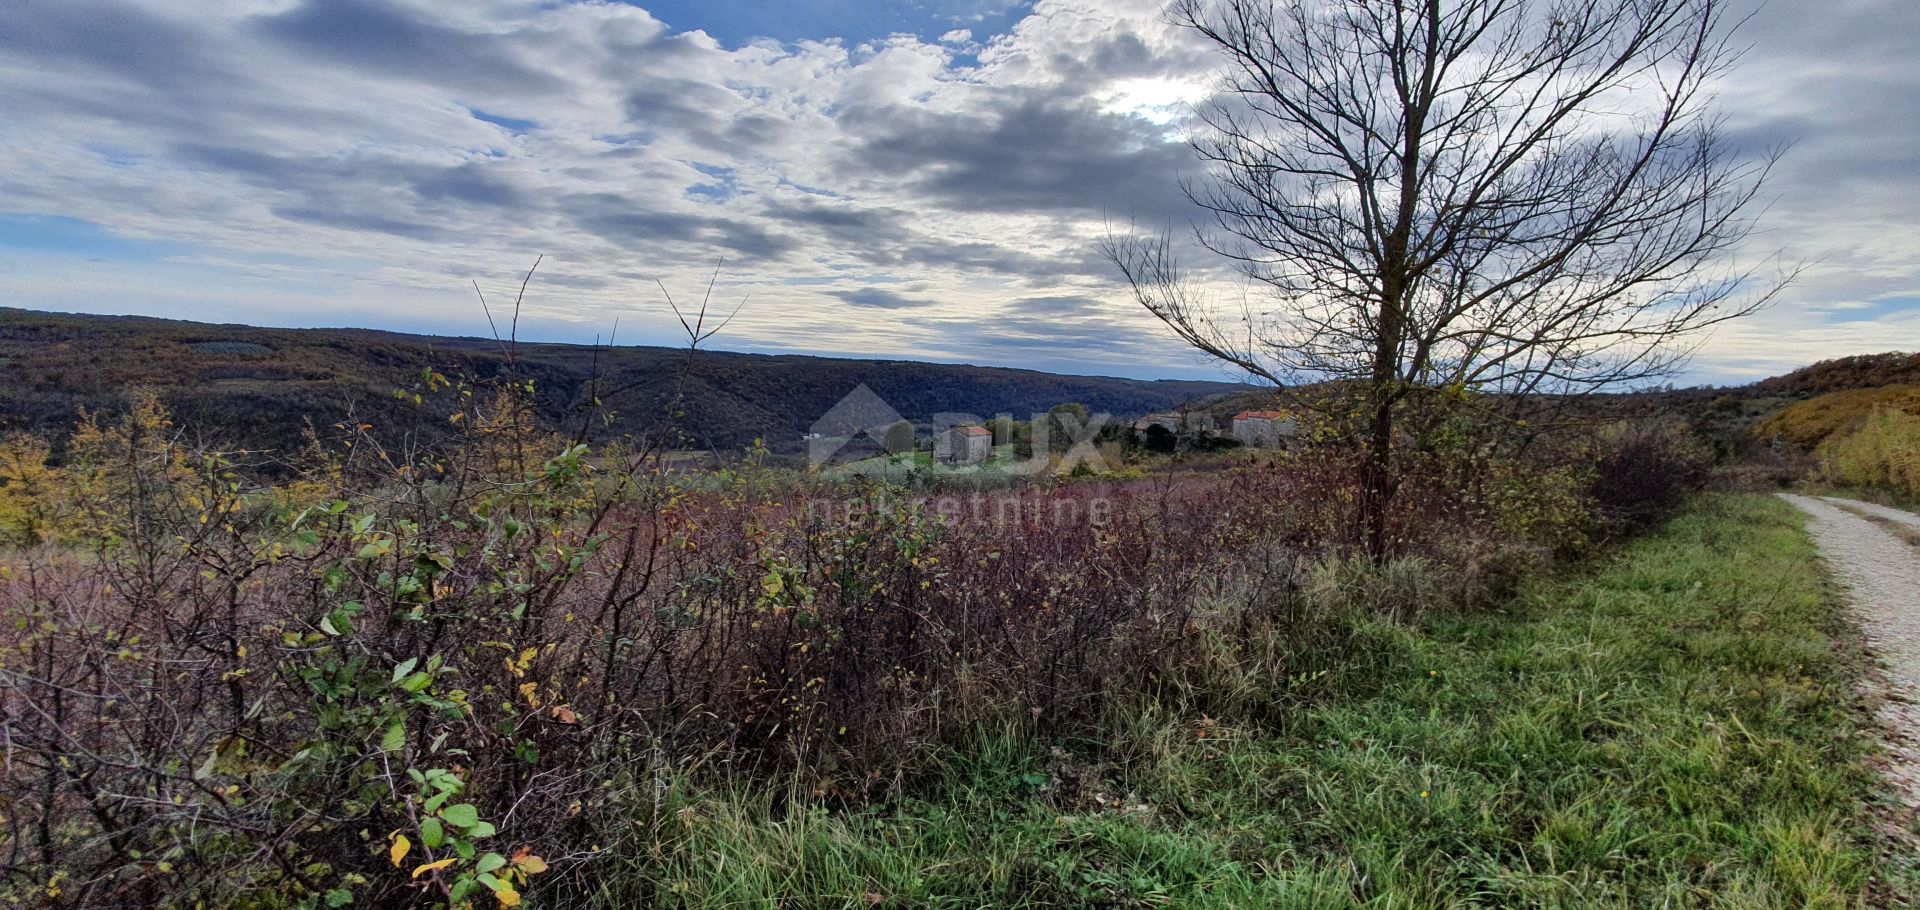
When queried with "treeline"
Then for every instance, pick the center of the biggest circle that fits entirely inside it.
(1861, 371)
(253, 388)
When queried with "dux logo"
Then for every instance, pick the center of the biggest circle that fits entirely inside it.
(862, 425)
(860, 415)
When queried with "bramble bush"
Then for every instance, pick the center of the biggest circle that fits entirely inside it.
(1642, 472)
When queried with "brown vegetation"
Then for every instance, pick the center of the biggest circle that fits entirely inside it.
(1810, 423)
(426, 673)
(1861, 371)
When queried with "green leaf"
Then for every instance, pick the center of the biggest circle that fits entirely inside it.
(396, 738)
(431, 833)
(489, 862)
(461, 815)
(416, 682)
(406, 666)
(339, 897)
(480, 830)
(206, 767)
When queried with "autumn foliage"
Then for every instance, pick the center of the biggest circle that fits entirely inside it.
(440, 672)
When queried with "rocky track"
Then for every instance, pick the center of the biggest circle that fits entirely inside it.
(1871, 550)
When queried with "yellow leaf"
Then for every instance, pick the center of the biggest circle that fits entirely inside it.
(529, 864)
(398, 851)
(507, 897)
(436, 864)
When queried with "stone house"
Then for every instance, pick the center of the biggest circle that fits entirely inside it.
(1267, 429)
(966, 444)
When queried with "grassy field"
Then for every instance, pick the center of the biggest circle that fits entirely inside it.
(1673, 727)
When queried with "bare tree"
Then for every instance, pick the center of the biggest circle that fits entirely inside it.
(1497, 195)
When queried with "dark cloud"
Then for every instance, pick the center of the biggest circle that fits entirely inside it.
(703, 114)
(1094, 336)
(890, 253)
(848, 218)
(114, 38)
(325, 181)
(1051, 306)
(845, 225)
(348, 220)
(639, 224)
(879, 298)
(1051, 153)
(472, 183)
(887, 239)
(254, 165)
(379, 37)
(1125, 55)
(679, 104)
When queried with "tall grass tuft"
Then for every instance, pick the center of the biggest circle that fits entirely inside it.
(1883, 452)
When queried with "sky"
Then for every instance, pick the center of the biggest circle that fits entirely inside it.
(922, 179)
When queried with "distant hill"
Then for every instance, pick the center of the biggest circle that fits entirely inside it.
(257, 387)
(1802, 407)
(1811, 422)
(1863, 371)
(1833, 397)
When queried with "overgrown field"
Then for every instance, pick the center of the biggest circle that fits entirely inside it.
(1671, 729)
(506, 666)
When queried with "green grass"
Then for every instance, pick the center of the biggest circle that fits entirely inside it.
(1672, 728)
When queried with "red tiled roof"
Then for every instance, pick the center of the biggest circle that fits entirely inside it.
(1260, 415)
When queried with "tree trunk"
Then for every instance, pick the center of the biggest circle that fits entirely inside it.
(1377, 484)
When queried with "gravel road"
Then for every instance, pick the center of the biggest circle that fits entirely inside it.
(1895, 515)
(1882, 575)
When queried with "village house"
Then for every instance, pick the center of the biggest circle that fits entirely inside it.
(1268, 429)
(967, 444)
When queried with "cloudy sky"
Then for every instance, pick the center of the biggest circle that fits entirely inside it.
(916, 179)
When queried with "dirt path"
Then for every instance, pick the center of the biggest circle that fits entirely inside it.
(1873, 510)
(1881, 571)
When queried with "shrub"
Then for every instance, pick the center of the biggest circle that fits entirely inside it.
(27, 491)
(1643, 471)
(1883, 452)
(1545, 505)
